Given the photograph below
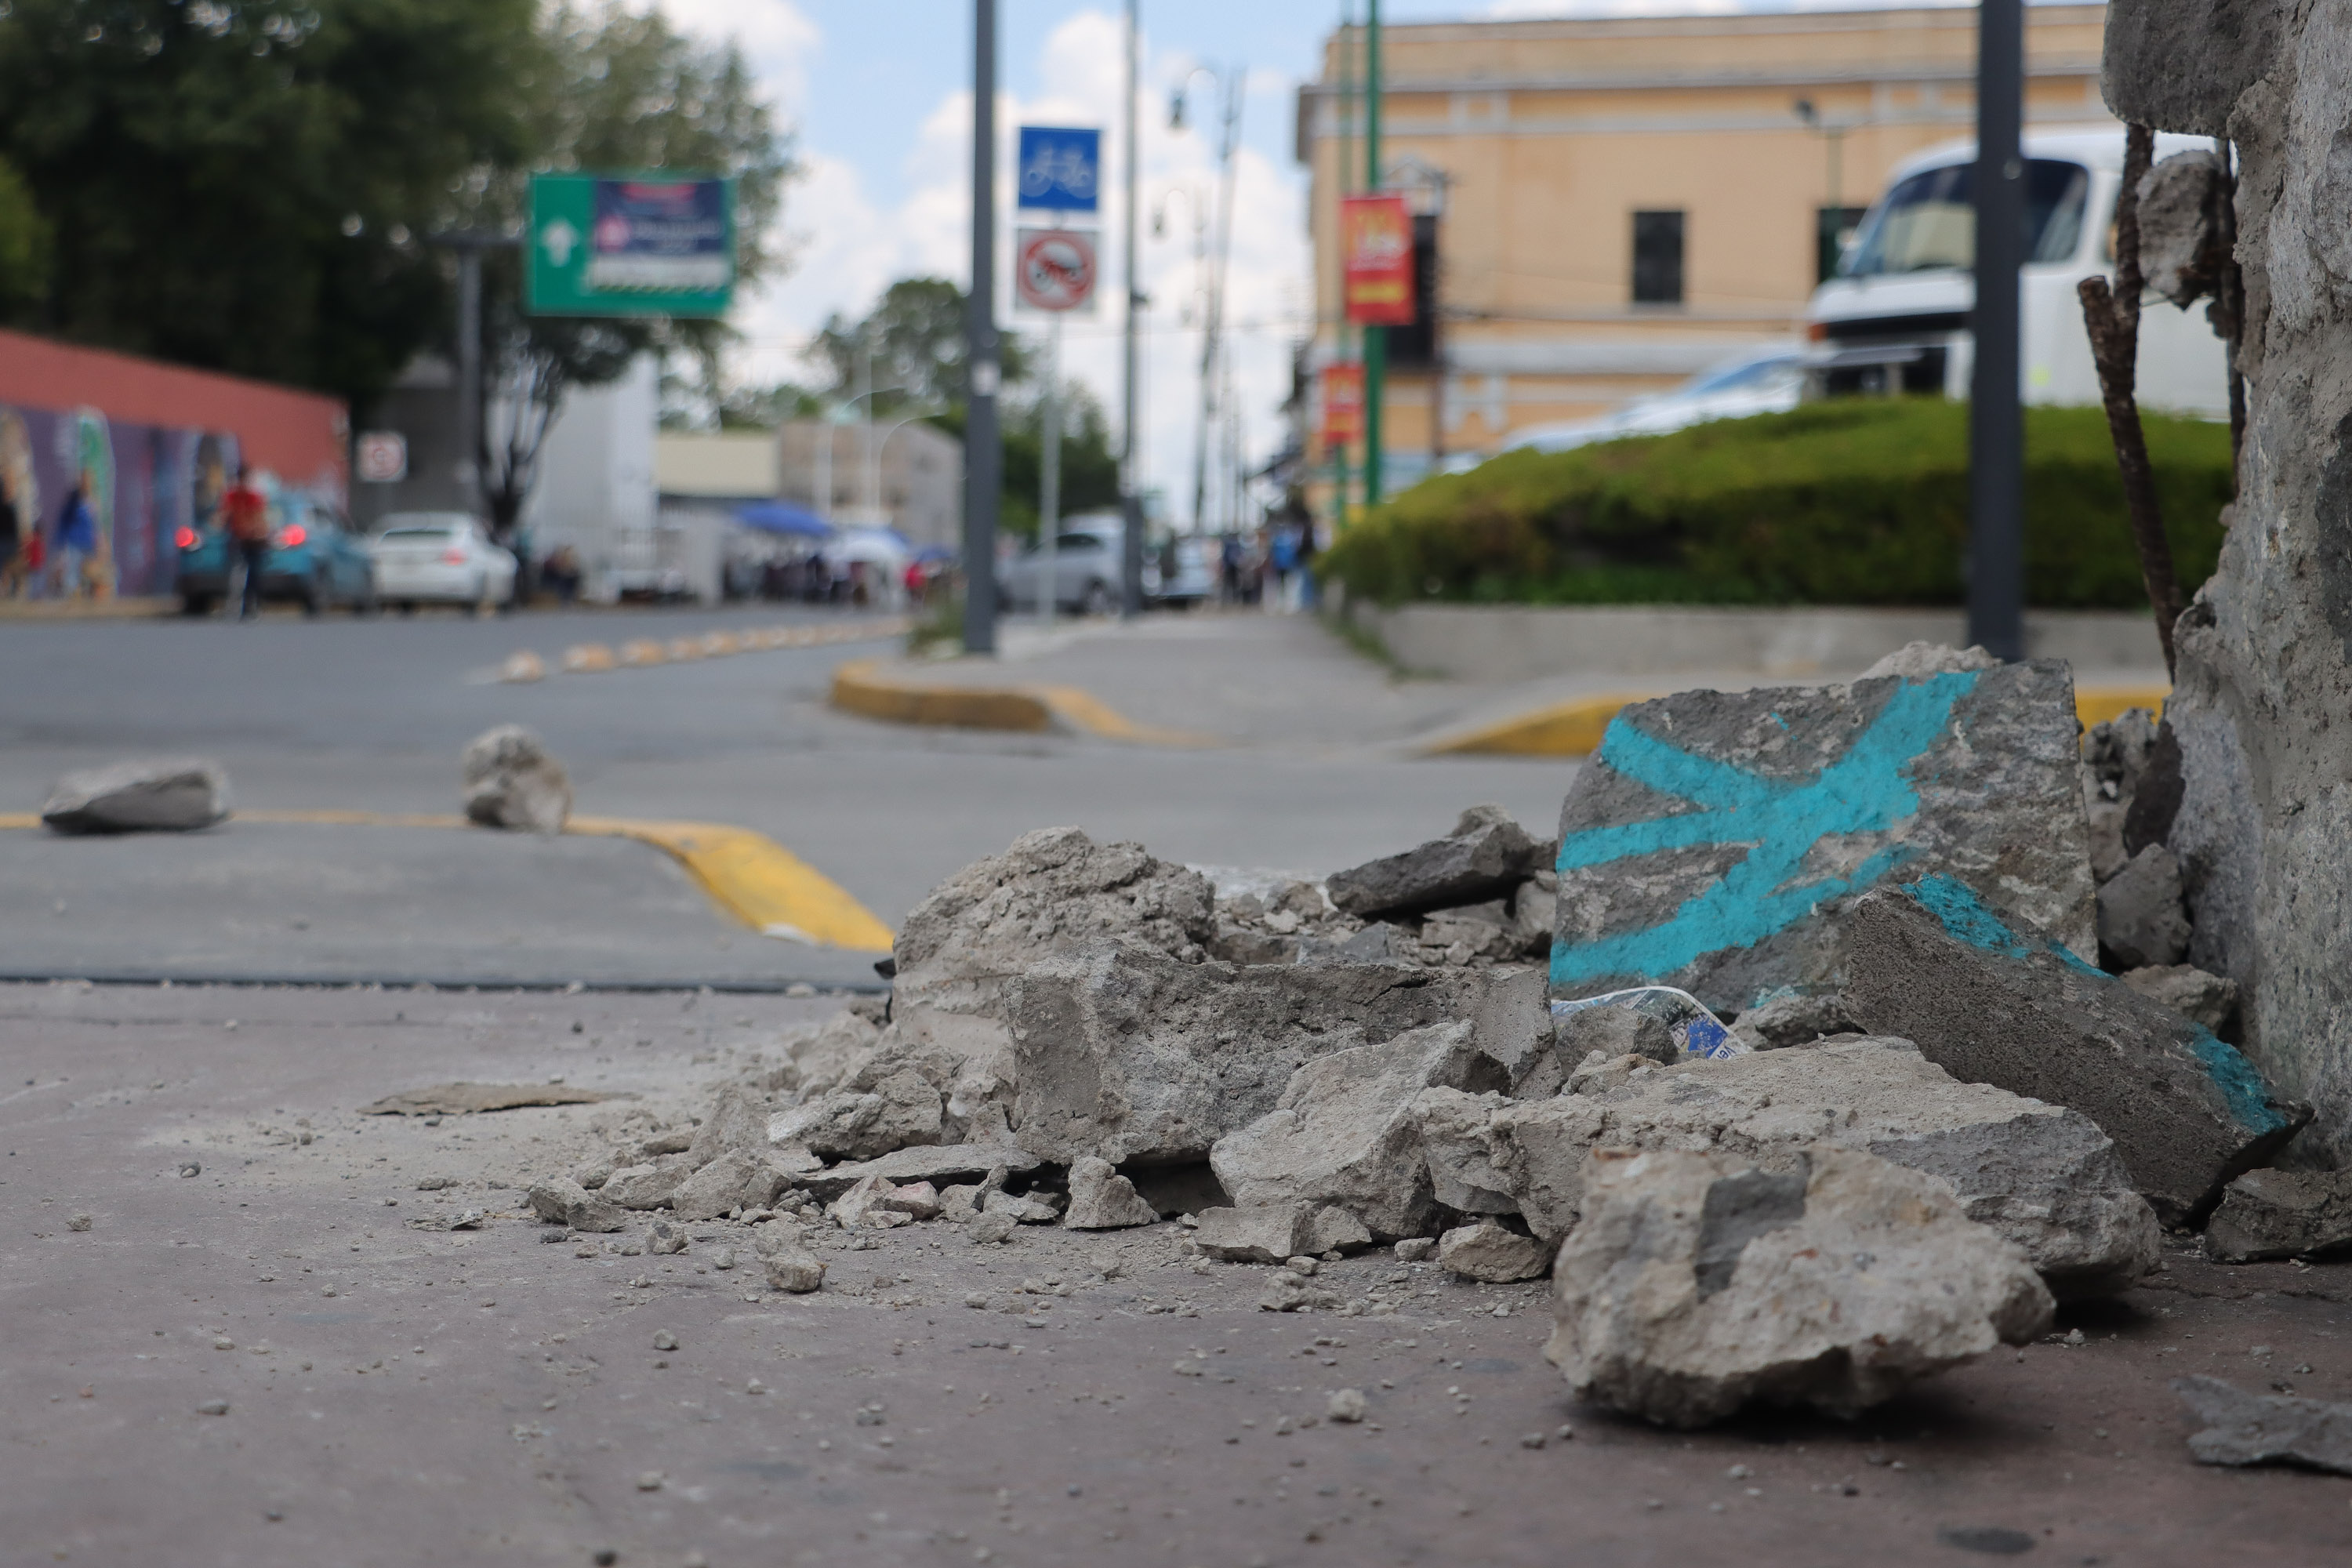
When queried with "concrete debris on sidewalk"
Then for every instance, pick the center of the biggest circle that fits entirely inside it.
(2242, 1428)
(174, 795)
(2043, 1177)
(1486, 855)
(1716, 840)
(462, 1099)
(1699, 1283)
(2282, 1214)
(1492, 1252)
(512, 781)
(1102, 1199)
(1999, 1003)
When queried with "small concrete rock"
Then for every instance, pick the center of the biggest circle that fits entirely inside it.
(665, 1238)
(2282, 1214)
(511, 781)
(1492, 1252)
(2244, 1428)
(1346, 1405)
(1778, 1023)
(795, 1272)
(2184, 226)
(169, 796)
(565, 1202)
(993, 1227)
(900, 1110)
(1289, 1293)
(1485, 856)
(1024, 1208)
(916, 1200)
(1266, 1234)
(1697, 1283)
(737, 1179)
(1102, 1199)
(647, 1187)
(2205, 999)
(1416, 1249)
(1995, 1003)
(2142, 922)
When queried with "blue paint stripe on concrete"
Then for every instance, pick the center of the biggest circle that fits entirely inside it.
(1778, 821)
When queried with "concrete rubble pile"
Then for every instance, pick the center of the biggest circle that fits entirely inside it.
(1886, 1047)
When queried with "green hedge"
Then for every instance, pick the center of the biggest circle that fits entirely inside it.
(1861, 501)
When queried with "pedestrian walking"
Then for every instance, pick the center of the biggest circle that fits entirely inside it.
(12, 537)
(245, 512)
(76, 534)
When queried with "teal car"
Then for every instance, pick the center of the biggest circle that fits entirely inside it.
(314, 559)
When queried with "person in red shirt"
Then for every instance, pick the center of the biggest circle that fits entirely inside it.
(245, 513)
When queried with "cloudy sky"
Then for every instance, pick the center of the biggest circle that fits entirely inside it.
(877, 93)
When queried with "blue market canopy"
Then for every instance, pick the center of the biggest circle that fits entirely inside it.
(779, 517)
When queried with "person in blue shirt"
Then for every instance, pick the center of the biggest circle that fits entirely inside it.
(77, 537)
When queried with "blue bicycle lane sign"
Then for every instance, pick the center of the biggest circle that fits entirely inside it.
(1060, 169)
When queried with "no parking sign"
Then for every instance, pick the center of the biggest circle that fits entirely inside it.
(1054, 271)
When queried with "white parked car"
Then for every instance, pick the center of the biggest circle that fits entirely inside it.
(440, 558)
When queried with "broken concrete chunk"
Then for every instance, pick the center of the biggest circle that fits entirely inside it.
(1451, 1129)
(738, 1119)
(1052, 891)
(2042, 1176)
(902, 1109)
(737, 1179)
(1654, 1021)
(989, 1229)
(1792, 1018)
(1344, 1132)
(794, 1272)
(2206, 999)
(512, 781)
(1484, 856)
(567, 1203)
(2282, 1214)
(1716, 840)
(664, 1238)
(1253, 1235)
(1997, 1003)
(937, 1163)
(175, 796)
(867, 1202)
(2185, 232)
(916, 1200)
(1699, 1283)
(1492, 1252)
(1918, 660)
(2244, 1428)
(2115, 759)
(460, 1099)
(1102, 1199)
(1138, 1059)
(1290, 1292)
(1333, 1229)
(647, 1187)
(1025, 1208)
(2142, 922)
(2183, 65)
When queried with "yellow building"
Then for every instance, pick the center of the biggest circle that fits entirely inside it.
(1622, 203)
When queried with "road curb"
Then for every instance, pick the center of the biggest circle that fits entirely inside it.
(747, 874)
(1574, 729)
(862, 687)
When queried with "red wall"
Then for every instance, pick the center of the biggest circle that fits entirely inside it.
(301, 436)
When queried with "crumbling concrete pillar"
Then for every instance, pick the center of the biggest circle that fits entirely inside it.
(2263, 703)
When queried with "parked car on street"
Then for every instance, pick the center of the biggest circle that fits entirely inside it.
(441, 558)
(1769, 381)
(1086, 570)
(314, 559)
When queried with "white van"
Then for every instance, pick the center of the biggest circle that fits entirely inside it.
(1894, 319)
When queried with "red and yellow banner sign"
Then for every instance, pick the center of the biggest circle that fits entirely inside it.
(1343, 404)
(1376, 254)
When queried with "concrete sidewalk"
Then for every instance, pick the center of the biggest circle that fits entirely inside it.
(263, 1363)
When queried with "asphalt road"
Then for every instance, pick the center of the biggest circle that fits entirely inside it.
(344, 714)
(264, 1363)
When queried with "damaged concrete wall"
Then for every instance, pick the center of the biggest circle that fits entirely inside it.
(2265, 682)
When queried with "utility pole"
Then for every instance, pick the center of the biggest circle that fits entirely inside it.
(1213, 334)
(1346, 164)
(1376, 339)
(1049, 480)
(1996, 423)
(983, 451)
(1130, 496)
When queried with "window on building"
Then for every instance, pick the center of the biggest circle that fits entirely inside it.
(1658, 258)
(1833, 229)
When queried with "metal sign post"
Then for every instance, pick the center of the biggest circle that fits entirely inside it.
(1055, 271)
(984, 457)
(630, 244)
(1996, 423)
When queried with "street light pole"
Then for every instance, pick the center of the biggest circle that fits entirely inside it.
(1996, 423)
(983, 454)
(1376, 339)
(1130, 498)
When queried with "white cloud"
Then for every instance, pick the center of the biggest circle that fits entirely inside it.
(848, 247)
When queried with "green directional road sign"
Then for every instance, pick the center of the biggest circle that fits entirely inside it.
(655, 244)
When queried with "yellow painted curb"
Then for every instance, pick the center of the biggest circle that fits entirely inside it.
(748, 874)
(756, 879)
(1574, 729)
(859, 687)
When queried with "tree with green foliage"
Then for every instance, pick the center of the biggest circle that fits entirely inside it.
(25, 245)
(245, 186)
(915, 334)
